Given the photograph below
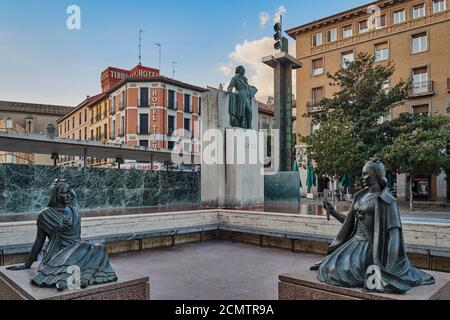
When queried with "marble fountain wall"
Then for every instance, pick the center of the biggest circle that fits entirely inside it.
(25, 188)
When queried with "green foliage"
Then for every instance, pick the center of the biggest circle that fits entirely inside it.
(335, 150)
(421, 146)
(350, 131)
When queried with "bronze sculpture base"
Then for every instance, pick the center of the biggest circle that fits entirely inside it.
(16, 285)
(302, 284)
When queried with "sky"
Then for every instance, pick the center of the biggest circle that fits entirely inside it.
(43, 61)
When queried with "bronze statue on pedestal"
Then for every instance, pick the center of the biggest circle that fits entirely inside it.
(369, 250)
(65, 252)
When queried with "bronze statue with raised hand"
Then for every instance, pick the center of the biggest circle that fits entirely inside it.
(61, 224)
(370, 239)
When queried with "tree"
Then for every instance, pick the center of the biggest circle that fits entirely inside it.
(335, 150)
(351, 131)
(420, 148)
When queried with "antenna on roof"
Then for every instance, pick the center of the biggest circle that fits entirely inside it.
(140, 45)
(173, 69)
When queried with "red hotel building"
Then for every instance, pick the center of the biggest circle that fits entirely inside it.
(142, 109)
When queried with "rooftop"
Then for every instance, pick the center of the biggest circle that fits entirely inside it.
(26, 107)
(340, 16)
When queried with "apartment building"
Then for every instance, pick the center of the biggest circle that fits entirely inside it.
(28, 118)
(412, 34)
(136, 107)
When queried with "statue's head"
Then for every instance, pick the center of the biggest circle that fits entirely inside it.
(240, 70)
(374, 172)
(59, 194)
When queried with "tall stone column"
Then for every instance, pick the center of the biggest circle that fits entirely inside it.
(283, 64)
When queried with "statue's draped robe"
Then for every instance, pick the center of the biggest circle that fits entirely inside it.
(240, 104)
(65, 249)
(402, 276)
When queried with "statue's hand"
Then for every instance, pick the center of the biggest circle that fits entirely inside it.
(17, 268)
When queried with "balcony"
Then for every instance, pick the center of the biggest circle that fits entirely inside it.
(421, 89)
(314, 107)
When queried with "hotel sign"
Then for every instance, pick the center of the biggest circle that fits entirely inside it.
(112, 76)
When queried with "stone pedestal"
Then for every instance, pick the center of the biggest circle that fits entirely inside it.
(302, 284)
(16, 285)
(231, 175)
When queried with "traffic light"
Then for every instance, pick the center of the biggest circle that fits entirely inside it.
(277, 36)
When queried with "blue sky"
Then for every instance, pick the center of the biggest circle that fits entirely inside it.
(44, 62)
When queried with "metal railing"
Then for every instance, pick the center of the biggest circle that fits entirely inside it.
(314, 107)
(423, 88)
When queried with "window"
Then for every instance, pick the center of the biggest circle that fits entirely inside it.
(170, 145)
(85, 115)
(124, 99)
(347, 57)
(144, 98)
(187, 103)
(73, 122)
(420, 80)
(421, 109)
(317, 67)
(419, 42)
(80, 118)
(380, 22)
(381, 52)
(187, 125)
(418, 11)
(79, 134)
(143, 123)
(113, 129)
(114, 105)
(122, 126)
(331, 35)
(347, 31)
(317, 96)
(143, 143)
(363, 26)
(171, 100)
(199, 105)
(317, 40)
(85, 133)
(399, 16)
(171, 125)
(438, 6)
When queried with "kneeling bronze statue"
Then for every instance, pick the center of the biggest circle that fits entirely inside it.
(369, 251)
(61, 224)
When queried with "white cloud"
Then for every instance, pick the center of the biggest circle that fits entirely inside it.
(226, 69)
(263, 18)
(280, 12)
(250, 54)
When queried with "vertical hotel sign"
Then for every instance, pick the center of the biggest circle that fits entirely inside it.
(154, 111)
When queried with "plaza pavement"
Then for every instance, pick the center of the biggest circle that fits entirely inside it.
(214, 270)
